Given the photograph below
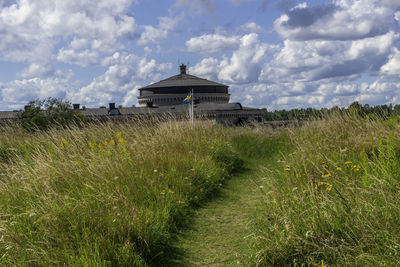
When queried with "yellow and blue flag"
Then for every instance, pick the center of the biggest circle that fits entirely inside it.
(188, 99)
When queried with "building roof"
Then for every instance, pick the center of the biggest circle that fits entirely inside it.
(9, 114)
(94, 111)
(183, 80)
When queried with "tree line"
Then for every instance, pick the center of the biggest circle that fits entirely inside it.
(378, 111)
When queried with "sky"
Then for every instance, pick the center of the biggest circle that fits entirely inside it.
(274, 54)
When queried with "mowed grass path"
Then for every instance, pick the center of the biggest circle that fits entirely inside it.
(220, 232)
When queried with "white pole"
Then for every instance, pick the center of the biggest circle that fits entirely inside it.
(192, 106)
(190, 112)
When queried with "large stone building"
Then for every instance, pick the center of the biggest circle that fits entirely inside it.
(172, 91)
(164, 99)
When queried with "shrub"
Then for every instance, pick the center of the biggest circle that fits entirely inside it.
(44, 114)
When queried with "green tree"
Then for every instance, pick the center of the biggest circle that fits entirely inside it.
(47, 113)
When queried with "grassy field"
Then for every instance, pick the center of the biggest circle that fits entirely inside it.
(105, 195)
(334, 199)
(118, 194)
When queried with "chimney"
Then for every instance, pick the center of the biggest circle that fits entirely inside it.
(76, 106)
(112, 105)
(27, 107)
(183, 69)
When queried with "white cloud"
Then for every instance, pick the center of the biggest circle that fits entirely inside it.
(316, 60)
(245, 64)
(155, 35)
(124, 73)
(212, 43)
(207, 68)
(35, 70)
(328, 50)
(131, 97)
(79, 43)
(342, 20)
(392, 67)
(33, 30)
(250, 27)
(20, 92)
(83, 57)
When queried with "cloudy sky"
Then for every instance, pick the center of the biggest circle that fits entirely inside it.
(272, 53)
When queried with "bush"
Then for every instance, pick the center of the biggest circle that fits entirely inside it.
(44, 114)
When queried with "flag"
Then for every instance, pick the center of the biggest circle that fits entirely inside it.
(188, 99)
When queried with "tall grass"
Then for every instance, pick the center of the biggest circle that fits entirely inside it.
(108, 194)
(334, 199)
(114, 194)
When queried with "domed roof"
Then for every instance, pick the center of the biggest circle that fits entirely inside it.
(183, 80)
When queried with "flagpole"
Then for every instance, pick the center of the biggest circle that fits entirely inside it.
(190, 112)
(192, 106)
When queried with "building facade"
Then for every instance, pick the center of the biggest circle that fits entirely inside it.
(172, 91)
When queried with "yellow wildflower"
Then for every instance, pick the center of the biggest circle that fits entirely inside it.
(355, 167)
(319, 184)
(91, 145)
(64, 143)
(338, 168)
(327, 175)
(121, 140)
(348, 162)
(112, 142)
(329, 187)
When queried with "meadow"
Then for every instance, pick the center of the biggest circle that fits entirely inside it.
(106, 194)
(115, 194)
(334, 198)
